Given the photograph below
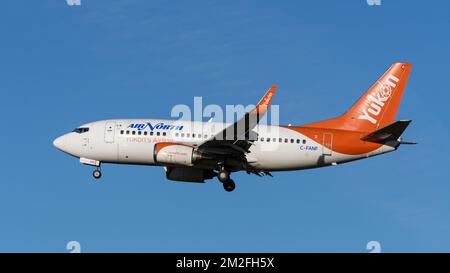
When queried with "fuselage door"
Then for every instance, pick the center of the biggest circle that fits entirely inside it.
(327, 144)
(109, 131)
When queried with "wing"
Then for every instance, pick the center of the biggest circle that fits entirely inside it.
(236, 139)
(240, 129)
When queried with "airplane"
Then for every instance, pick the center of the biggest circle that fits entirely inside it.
(195, 151)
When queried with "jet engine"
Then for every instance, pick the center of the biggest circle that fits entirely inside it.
(175, 154)
(189, 174)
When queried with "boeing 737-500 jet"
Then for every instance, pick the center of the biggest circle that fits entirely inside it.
(194, 151)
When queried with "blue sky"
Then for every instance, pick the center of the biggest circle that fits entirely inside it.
(63, 66)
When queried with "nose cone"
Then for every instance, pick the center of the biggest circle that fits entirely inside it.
(60, 143)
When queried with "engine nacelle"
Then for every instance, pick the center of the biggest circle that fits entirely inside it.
(174, 154)
(189, 174)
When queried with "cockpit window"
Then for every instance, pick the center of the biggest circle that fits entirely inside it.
(81, 130)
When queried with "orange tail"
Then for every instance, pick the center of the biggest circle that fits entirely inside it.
(377, 107)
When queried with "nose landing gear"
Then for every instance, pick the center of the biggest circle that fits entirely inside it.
(97, 173)
(92, 162)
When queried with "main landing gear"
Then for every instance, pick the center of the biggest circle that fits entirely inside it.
(229, 185)
(223, 175)
(227, 182)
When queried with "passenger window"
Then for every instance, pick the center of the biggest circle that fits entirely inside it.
(158, 133)
(164, 133)
(193, 135)
(121, 132)
(182, 134)
(268, 139)
(139, 132)
(128, 132)
(145, 133)
(151, 133)
(280, 140)
(133, 132)
(298, 141)
(285, 140)
(188, 135)
(177, 134)
(292, 140)
(304, 141)
(205, 136)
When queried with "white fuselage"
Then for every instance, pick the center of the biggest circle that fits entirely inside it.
(124, 141)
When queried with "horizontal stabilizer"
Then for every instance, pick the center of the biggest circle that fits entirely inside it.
(408, 142)
(392, 132)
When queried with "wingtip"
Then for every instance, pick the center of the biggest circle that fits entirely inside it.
(265, 101)
(272, 89)
(407, 64)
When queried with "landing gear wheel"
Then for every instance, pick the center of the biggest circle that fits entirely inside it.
(97, 174)
(223, 176)
(229, 185)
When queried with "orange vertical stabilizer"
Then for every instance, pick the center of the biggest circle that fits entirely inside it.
(377, 107)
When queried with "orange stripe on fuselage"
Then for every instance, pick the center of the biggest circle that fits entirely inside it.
(161, 145)
(344, 142)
